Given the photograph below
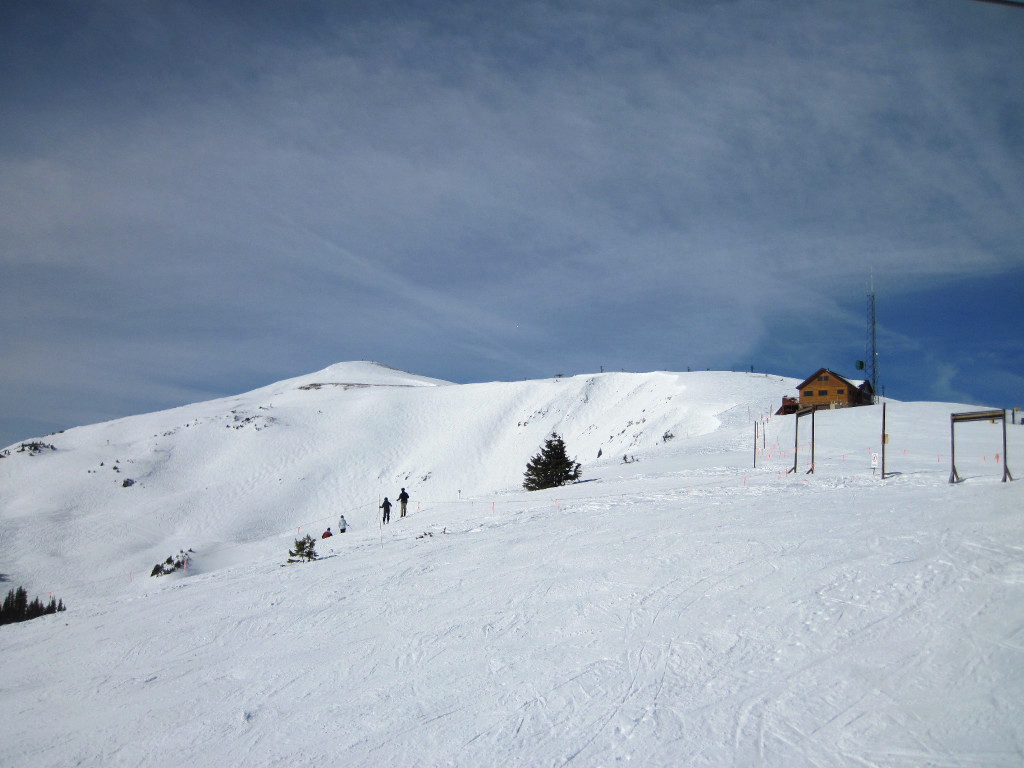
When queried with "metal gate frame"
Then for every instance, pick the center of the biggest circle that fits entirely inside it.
(954, 418)
(796, 439)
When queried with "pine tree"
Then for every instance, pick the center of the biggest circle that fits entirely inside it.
(35, 609)
(305, 549)
(551, 467)
(7, 609)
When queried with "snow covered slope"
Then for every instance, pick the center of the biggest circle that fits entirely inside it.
(677, 607)
(303, 451)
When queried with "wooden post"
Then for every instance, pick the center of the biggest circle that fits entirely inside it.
(796, 442)
(811, 470)
(885, 439)
(953, 476)
(1006, 463)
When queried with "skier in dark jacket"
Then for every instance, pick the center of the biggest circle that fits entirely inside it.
(386, 506)
(403, 499)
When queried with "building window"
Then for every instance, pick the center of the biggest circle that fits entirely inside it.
(840, 391)
(809, 393)
(823, 392)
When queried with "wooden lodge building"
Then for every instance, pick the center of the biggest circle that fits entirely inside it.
(827, 389)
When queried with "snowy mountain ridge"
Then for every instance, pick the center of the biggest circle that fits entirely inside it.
(679, 606)
(241, 468)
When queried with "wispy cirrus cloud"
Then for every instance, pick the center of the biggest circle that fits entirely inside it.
(473, 193)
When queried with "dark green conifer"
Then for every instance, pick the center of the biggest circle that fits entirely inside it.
(305, 549)
(551, 467)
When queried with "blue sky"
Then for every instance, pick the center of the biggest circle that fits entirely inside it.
(201, 198)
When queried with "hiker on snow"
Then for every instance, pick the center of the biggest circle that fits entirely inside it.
(386, 506)
(403, 499)
(342, 525)
(327, 533)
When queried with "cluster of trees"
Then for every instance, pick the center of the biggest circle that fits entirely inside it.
(172, 563)
(16, 607)
(36, 446)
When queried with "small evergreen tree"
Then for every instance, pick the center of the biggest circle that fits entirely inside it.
(551, 467)
(305, 549)
(7, 608)
(35, 609)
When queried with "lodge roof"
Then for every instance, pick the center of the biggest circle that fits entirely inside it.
(855, 383)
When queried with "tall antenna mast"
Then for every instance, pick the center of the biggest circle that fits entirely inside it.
(872, 340)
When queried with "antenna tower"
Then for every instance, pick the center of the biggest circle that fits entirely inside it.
(872, 342)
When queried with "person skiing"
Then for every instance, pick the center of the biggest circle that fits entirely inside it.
(386, 506)
(403, 499)
(342, 525)
(327, 533)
